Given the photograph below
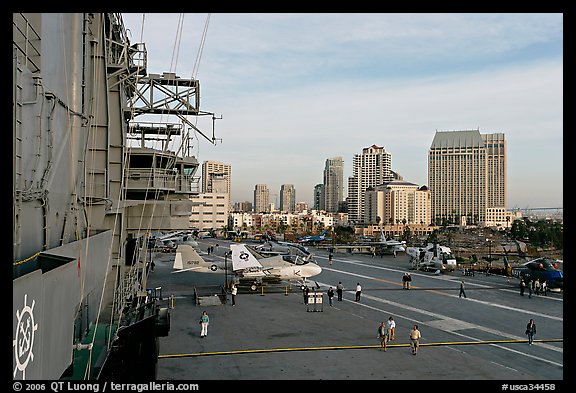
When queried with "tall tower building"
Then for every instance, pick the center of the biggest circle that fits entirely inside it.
(369, 169)
(261, 198)
(319, 197)
(333, 183)
(216, 177)
(287, 198)
(466, 175)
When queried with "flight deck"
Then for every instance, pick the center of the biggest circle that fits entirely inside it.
(271, 334)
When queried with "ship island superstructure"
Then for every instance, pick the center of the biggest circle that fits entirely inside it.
(88, 192)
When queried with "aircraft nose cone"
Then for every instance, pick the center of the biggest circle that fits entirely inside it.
(312, 270)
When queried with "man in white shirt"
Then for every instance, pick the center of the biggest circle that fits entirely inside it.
(358, 291)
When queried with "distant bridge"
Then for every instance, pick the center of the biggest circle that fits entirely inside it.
(554, 211)
(539, 208)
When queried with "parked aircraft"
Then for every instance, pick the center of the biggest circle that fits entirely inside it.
(388, 246)
(433, 257)
(541, 268)
(314, 238)
(247, 266)
(169, 241)
(271, 248)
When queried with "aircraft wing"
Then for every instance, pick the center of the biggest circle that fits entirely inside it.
(190, 269)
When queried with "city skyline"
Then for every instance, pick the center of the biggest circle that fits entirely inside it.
(296, 89)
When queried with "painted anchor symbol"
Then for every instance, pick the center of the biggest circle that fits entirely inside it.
(25, 338)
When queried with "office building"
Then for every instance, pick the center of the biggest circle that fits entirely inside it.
(318, 197)
(333, 184)
(287, 198)
(261, 198)
(466, 176)
(210, 211)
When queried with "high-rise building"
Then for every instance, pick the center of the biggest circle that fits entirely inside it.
(369, 169)
(261, 198)
(318, 197)
(333, 184)
(216, 177)
(287, 198)
(466, 175)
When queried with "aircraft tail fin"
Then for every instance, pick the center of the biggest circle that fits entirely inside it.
(178, 261)
(242, 258)
(187, 258)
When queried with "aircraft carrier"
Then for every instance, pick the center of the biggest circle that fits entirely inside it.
(88, 191)
(272, 335)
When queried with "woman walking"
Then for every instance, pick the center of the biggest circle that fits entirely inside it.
(531, 331)
(204, 322)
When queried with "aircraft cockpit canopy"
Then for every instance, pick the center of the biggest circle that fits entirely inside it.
(542, 264)
(295, 259)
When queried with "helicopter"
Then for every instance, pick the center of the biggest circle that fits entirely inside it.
(540, 268)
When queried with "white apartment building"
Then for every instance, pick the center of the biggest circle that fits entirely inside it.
(296, 221)
(398, 202)
(499, 217)
(241, 220)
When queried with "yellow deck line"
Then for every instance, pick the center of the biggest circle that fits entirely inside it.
(330, 348)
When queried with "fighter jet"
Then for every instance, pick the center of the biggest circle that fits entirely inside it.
(248, 267)
(315, 238)
(170, 241)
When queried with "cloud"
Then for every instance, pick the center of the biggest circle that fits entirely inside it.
(296, 89)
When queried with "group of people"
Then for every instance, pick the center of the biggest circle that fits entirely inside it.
(330, 293)
(406, 280)
(534, 286)
(386, 332)
(210, 249)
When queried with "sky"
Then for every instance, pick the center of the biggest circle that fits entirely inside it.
(293, 90)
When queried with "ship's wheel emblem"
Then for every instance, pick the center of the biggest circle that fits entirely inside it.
(24, 341)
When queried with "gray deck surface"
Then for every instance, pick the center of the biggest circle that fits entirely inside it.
(480, 338)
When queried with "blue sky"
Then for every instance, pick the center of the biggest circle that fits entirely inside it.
(296, 89)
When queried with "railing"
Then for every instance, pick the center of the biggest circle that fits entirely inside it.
(160, 179)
